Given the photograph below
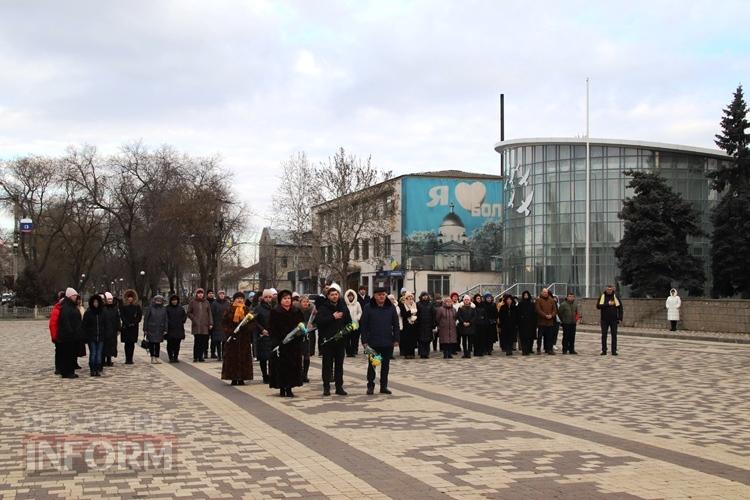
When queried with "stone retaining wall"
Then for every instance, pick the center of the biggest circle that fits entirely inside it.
(703, 315)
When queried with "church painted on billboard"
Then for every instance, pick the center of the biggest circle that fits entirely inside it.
(446, 236)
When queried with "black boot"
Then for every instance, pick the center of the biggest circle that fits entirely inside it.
(370, 389)
(289, 393)
(340, 391)
(326, 389)
(282, 392)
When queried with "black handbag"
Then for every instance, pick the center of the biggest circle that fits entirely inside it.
(144, 342)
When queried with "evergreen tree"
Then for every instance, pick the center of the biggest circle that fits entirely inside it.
(730, 242)
(653, 254)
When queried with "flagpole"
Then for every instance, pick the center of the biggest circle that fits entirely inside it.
(588, 197)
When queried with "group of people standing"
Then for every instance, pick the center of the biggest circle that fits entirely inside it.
(283, 329)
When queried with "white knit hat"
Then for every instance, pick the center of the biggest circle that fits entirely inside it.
(335, 286)
(70, 292)
(108, 296)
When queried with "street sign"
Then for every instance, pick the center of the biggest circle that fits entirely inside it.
(25, 225)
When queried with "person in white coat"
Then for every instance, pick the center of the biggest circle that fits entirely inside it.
(673, 305)
(355, 310)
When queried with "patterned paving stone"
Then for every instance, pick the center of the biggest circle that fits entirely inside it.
(666, 419)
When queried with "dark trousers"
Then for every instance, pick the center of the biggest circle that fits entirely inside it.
(468, 343)
(173, 348)
(555, 332)
(569, 337)
(448, 350)
(129, 350)
(480, 341)
(546, 334)
(610, 325)
(424, 349)
(673, 325)
(200, 346)
(153, 348)
(68, 357)
(385, 366)
(352, 343)
(526, 336)
(217, 349)
(333, 362)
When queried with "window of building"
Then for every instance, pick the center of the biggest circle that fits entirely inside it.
(439, 283)
(355, 248)
(376, 249)
(387, 245)
(365, 249)
(284, 261)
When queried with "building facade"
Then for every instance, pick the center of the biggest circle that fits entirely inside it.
(439, 233)
(545, 212)
(281, 258)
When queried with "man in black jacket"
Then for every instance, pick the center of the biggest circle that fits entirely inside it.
(380, 330)
(610, 306)
(69, 334)
(332, 316)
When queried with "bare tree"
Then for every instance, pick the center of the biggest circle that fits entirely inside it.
(351, 201)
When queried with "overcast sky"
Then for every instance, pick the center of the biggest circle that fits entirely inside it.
(414, 84)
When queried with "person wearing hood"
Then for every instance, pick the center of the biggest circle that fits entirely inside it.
(481, 325)
(445, 317)
(94, 332)
(381, 332)
(218, 307)
(467, 318)
(425, 324)
(490, 314)
(332, 316)
(409, 314)
(130, 315)
(526, 323)
(610, 307)
(355, 311)
(199, 312)
(285, 369)
(261, 336)
(237, 363)
(155, 324)
(111, 317)
(176, 318)
(507, 319)
(673, 305)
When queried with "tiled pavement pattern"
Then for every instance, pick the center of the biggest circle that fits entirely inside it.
(732, 338)
(666, 419)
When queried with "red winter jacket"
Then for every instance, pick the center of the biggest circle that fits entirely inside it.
(54, 318)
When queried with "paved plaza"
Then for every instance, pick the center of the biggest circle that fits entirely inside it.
(666, 419)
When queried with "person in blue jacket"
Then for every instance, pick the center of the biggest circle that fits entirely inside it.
(380, 331)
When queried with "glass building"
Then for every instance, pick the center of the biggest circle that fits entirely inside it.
(545, 205)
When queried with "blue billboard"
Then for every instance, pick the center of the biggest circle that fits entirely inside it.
(451, 223)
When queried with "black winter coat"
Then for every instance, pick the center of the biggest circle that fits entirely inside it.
(425, 320)
(176, 318)
(262, 317)
(285, 368)
(526, 317)
(131, 316)
(466, 314)
(69, 327)
(508, 320)
(111, 318)
(328, 326)
(93, 324)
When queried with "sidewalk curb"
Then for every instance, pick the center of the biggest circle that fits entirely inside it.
(704, 338)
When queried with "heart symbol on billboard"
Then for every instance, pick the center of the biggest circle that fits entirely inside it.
(470, 196)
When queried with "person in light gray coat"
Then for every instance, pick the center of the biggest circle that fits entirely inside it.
(155, 326)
